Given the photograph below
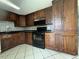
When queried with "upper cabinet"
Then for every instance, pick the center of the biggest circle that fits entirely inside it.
(70, 15)
(39, 14)
(12, 17)
(48, 15)
(30, 20)
(21, 21)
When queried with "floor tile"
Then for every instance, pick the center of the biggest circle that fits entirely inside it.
(25, 51)
(29, 57)
(63, 56)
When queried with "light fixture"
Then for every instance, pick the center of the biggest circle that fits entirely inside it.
(9, 4)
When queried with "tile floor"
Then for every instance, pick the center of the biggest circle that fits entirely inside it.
(25, 51)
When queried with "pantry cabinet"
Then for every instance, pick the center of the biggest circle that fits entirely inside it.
(64, 36)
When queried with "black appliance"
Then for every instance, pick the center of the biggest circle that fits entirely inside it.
(40, 22)
(39, 37)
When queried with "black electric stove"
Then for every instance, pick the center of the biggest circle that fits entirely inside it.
(39, 37)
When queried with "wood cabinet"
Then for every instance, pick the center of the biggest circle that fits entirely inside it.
(39, 14)
(5, 44)
(12, 17)
(70, 15)
(70, 26)
(70, 43)
(29, 20)
(50, 40)
(21, 21)
(28, 38)
(54, 41)
(64, 19)
(48, 15)
(11, 40)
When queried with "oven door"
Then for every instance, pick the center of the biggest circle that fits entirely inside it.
(38, 39)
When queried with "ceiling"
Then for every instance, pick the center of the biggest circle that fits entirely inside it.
(26, 6)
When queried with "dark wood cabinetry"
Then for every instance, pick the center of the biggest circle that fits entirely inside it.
(28, 38)
(48, 15)
(30, 20)
(70, 26)
(12, 17)
(54, 41)
(11, 40)
(62, 14)
(5, 45)
(70, 43)
(21, 21)
(50, 40)
(64, 19)
(39, 14)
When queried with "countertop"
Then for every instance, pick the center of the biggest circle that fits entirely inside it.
(10, 32)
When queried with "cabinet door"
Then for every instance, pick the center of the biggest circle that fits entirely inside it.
(70, 26)
(39, 14)
(19, 38)
(70, 44)
(42, 14)
(59, 44)
(58, 16)
(70, 15)
(29, 20)
(48, 15)
(12, 17)
(5, 44)
(21, 21)
(28, 38)
(50, 40)
(22, 37)
(58, 24)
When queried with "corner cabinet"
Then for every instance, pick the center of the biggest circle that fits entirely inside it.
(11, 40)
(12, 17)
(21, 21)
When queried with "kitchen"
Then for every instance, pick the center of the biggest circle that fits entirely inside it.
(53, 27)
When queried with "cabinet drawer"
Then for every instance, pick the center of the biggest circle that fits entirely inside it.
(6, 36)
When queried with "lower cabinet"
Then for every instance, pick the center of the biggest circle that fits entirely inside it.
(70, 44)
(11, 40)
(65, 42)
(5, 44)
(28, 38)
(49, 40)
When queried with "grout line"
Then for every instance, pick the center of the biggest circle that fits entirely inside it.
(25, 53)
(33, 53)
(17, 52)
(42, 54)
